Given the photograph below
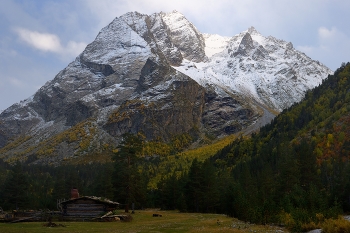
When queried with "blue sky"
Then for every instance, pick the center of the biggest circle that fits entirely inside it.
(38, 38)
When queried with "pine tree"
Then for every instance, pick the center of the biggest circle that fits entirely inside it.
(126, 178)
(209, 187)
(194, 192)
(60, 191)
(104, 183)
(16, 188)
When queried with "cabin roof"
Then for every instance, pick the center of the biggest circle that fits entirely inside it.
(97, 199)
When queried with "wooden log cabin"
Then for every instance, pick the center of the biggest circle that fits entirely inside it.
(86, 208)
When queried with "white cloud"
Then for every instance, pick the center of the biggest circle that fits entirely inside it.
(47, 42)
(325, 33)
(42, 41)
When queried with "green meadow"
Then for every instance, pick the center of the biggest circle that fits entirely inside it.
(143, 221)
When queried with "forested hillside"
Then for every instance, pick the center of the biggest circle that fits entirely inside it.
(296, 170)
(39, 186)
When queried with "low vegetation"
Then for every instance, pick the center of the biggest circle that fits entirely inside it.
(338, 225)
(171, 222)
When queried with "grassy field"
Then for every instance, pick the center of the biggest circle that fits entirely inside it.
(171, 221)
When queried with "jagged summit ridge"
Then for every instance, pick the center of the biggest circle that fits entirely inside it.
(252, 30)
(185, 35)
(158, 74)
(245, 47)
(265, 69)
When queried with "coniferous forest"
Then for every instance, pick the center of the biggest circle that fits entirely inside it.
(295, 171)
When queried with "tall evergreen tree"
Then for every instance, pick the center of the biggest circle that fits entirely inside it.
(60, 191)
(16, 188)
(194, 192)
(210, 188)
(126, 178)
(104, 182)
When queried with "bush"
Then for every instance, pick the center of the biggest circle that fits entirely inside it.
(309, 226)
(299, 221)
(287, 220)
(339, 225)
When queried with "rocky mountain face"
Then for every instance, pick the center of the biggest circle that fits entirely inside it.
(156, 74)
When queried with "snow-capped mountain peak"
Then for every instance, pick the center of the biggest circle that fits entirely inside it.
(185, 36)
(158, 74)
(251, 30)
(214, 44)
(261, 68)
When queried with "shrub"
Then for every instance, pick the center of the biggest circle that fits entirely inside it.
(309, 226)
(287, 220)
(339, 225)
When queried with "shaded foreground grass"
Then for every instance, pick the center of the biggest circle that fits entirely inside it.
(171, 221)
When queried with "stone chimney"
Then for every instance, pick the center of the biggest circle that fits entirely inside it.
(74, 193)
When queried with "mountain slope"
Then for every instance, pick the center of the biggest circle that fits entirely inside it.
(156, 74)
(296, 168)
